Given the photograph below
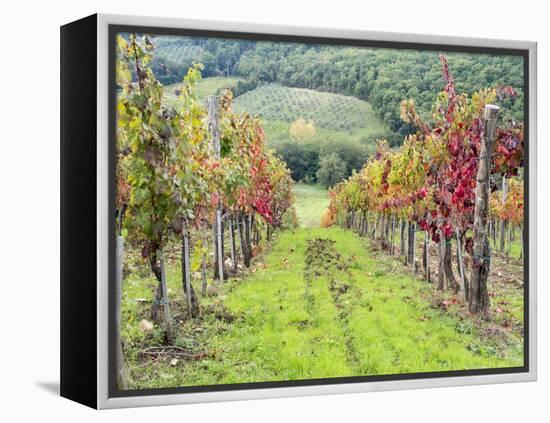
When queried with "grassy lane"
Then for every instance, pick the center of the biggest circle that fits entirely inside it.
(311, 203)
(288, 326)
(354, 314)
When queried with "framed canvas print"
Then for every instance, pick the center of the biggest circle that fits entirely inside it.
(254, 211)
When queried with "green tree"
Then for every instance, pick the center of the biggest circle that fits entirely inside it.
(352, 153)
(332, 170)
(301, 158)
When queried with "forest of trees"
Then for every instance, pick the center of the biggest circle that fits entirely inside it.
(382, 76)
(305, 160)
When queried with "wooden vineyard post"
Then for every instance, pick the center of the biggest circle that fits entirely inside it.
(239, 224)
(213, 128)
(387, 231)
(463, 284)
(392, 235)
(215, 246)
(232, 244)
(441, 262)
(248, 228)
(411, 245)
(120, 366)
(402, 240)
(245, 239)
(203, 259)
(502, 221)
(257, 233)
(479, 296)
(384, 231)
(448, 260)
(187, 276)
(427, 255)
(164, 296)
(405, 242)
(413, 255)
(219, 240)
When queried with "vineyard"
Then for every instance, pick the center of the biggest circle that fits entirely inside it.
(439, 182)
(232, 267)
(182, 168)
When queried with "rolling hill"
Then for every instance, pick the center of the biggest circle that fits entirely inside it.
(178, 52)
(274, 102)
(336, 117)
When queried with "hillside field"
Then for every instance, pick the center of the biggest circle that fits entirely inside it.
(337, 118)
(177, 51)
(338, 112)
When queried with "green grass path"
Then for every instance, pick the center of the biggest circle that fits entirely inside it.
(378, 321)
(311, 201)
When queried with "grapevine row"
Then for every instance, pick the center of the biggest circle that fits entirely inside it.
(430, 184)
(185, 169)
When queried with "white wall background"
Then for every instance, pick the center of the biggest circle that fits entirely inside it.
(29, 205)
